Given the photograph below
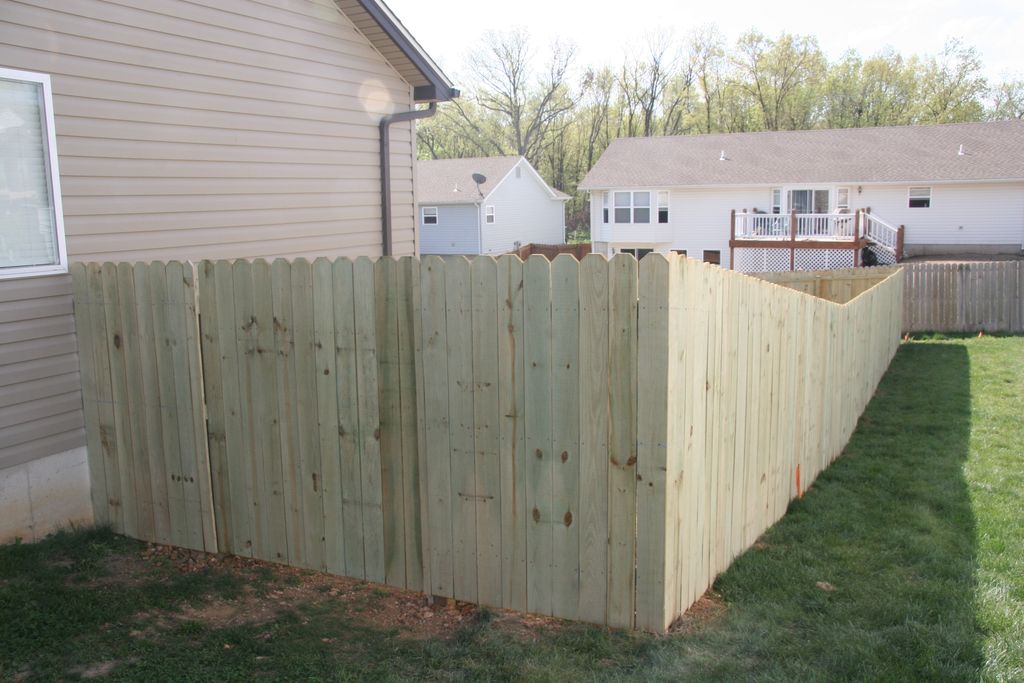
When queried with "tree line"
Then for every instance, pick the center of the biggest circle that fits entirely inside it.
(561, 116)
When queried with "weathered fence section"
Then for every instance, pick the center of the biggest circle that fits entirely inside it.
(578, 249)
(593, 440)
(838, 285)
(142, 392)
(749, 392)
(966, 296)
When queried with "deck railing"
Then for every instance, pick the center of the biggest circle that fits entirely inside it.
(880, 232)
(816, 226)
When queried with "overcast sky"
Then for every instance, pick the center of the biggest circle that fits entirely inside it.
(447, 29)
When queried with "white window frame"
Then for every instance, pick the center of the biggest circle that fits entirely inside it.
(632, 206)
(664, 201)
(910, 196)
(776, 200)
(53, 173)
(423, 215)
(489, 214)
(840, 205)
(605, 207)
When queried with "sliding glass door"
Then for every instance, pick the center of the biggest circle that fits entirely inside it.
(808, 200)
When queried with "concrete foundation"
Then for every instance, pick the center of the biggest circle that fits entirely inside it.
(39, 497)
(911, 250)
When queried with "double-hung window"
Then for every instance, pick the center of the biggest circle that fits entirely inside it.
(633, 207)
(663, 207)
(31, 219)
(843, 199)
(429, 215)
(919, 198)
(604, 206)
(489, 214)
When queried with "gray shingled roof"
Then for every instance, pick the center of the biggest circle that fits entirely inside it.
(993, 151)
(450, 181)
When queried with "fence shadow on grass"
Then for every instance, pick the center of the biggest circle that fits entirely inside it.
(872, 574)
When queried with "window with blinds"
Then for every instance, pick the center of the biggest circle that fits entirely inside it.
(31, 229)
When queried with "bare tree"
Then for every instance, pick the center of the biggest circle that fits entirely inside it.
(644, 80)
(951, 86)
(1008, 100)
(707, 53)
(775, 72)
(528, 104)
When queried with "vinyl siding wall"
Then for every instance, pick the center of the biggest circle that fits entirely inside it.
(188, 130)
(40, 392)
(524, 212)
(980, 214)
(457, 230)
(698, 220)
(216, 128)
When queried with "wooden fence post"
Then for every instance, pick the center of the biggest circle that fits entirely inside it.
(899, 243)
(856, 238)
(732, 237)
(792, 240)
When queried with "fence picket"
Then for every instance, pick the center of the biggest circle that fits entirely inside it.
(368, 419)
(385, 272)
(115, 345)
(621, 456)
(307, 422)
(540, 459)
(565, 435)
(593, 390)
(287, 521)
(436, 444)
(512, 431)
(409, 399)
(487, 469)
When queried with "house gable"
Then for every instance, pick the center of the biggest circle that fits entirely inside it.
(526, 210)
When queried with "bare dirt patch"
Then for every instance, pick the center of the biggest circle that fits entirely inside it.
(273, 589)
(706, 610)
(95, 670)
(117, 570)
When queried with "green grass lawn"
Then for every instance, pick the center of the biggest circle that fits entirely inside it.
(905, 561)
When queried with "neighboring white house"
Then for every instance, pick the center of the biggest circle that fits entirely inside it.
(486, 205)
(957, 189)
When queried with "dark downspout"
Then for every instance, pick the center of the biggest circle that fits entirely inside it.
(385, 165)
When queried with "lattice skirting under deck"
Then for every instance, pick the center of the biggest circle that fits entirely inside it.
(770, 260)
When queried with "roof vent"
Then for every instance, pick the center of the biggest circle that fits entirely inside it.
(456, 188)
(722, 157)
(961, 152)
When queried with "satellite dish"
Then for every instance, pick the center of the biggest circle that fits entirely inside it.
(479, 178)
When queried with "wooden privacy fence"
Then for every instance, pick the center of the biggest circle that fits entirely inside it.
(965, 296)
(593, 440)
(752, 391)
